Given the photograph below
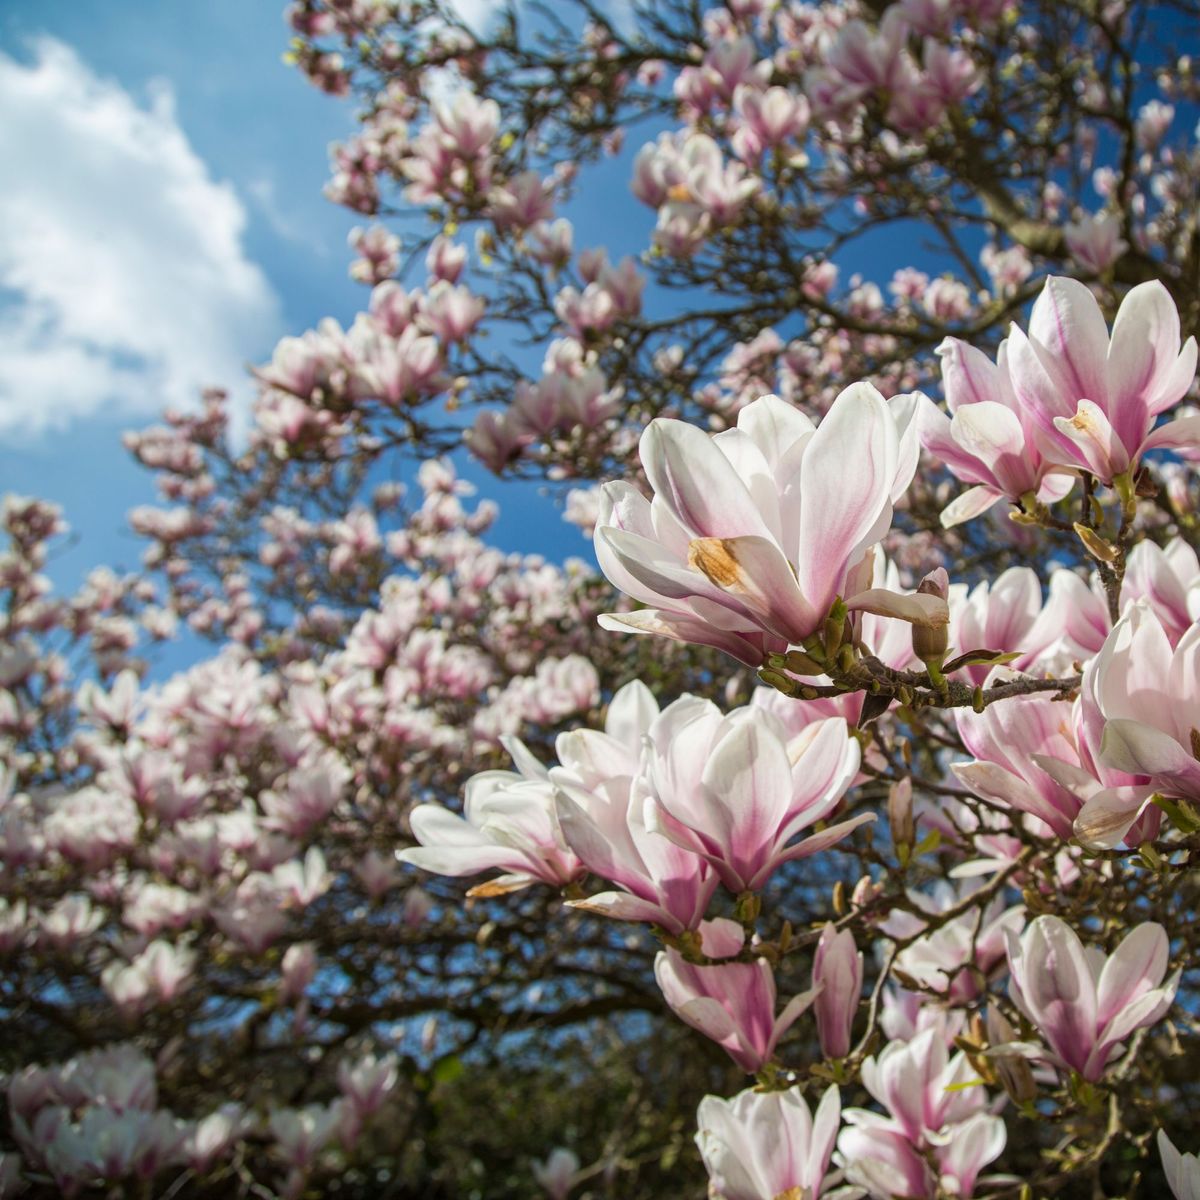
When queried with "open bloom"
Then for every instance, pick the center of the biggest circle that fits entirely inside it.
(658, 881)
(1083, 1003)
(956, 958)
(741, 547)
(733, 1003)
(934, 1113)
(509, 821)
(736, 790)
(1142, 699)
(1092, 398)
(763, 1145)
(1011, 741)
(881, 1160)
(510, 818)
(988, 438)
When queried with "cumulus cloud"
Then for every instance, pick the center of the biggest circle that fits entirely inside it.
(124, 282)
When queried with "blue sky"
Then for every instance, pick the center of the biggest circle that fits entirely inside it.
(162, 225)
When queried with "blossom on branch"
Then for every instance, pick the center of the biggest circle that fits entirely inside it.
(742, 546)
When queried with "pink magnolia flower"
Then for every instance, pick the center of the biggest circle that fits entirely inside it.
(954, 959)
(740, 548)
(988, 438)
(1153, 120)
(735, 790)
(446, 259)
(297, 970)
(556, 1176)
(367, 1083)
(301, 1133)
(837, 979)
(1071, 627)
(933, 1115)
(947, 299)
(866, 59)
(995, 615)
(1140, 714)
(659, 882)
(1095, 243)
(467, 124)
(1169, 578)
(509, 822)
(1092, 398)
(733, 1003)
(1083, 1003)
(495, 439)
(880, 1159)
(1012, 742)
(212, 1137)
(1182, 1170)
(764, 1145)
(769, 118)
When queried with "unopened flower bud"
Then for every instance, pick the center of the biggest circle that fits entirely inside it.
(837, 972)
(865, 891)
(930, 642)
(900, 816)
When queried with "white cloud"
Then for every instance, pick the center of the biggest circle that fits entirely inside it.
(124, 283)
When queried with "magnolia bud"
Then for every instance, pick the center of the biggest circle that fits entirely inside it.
(837, 972)
(865, 891)
(930, 642)
(900, 815)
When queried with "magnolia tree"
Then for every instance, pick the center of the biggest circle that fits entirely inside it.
(835, 836)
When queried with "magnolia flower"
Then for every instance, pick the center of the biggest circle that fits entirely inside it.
(508, 821)
(368, 1082)
(766, 1145)
(918, 1083)
(1182, 1170)
(1012, 742)
(1083, 1003)
(733, 1003)
(882, 1161)
(1092, 398)
(736, 790)
(1143, 700)
(659, 881)
(996, 614)
(211, 1137)
(1071, 627)
(955, 958)
(936, 1113)
(1169, 578)
(301, 1133)
(556, 1175)
(1095, 242)
(988, 438)
(740, 547)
